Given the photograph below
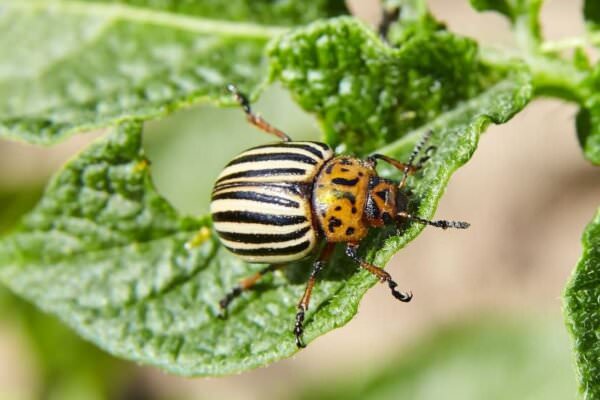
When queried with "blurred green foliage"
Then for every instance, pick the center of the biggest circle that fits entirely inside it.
(15, 203)
(66, 366)
(489, 358)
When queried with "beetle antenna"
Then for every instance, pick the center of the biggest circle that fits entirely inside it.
(413, 155)
(438, 224)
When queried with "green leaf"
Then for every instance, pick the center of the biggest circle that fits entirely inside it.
(524, 16)
(582, 305)
(588, 130)
(368, 94)
(15, 203)
(413, 18)
(591, 13)
(588, 118)
(108, 255)
(102, 245)
(88, 64)
(266, 12)
(504, 7)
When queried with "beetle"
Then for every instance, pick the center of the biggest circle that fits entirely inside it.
(274, 203)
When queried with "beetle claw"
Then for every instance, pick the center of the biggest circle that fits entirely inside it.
(299, 329)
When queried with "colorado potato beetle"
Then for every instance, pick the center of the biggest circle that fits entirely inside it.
(274, 203)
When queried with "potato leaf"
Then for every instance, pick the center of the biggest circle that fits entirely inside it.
(591, 13)
(109, 256)
(582, 307)
(588, 118)
(369, 94)
(86, 64)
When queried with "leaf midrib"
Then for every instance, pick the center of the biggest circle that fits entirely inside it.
(130, 13)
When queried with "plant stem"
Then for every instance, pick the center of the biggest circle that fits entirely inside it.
(589, 40)
(552, 76)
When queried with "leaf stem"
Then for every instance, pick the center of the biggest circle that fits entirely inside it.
(525, 34)
(589, 40)
(551, 76)
(556, 77)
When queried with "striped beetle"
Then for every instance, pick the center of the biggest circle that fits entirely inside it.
(271, 204)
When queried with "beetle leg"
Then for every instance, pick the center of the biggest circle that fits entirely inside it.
(254, 119)
(372, 159)
(245, 284)
(352, 252)
(305, 300)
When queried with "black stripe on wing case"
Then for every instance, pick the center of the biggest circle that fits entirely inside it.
(263, 172)
(257, 218)
(297, 188)
(322, 145)
(306, 147)
(270, 251)
(264, 238)
(258, 197)
(273, 157)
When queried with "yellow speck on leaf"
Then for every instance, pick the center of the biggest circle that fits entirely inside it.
(199, 238)
(142, 165)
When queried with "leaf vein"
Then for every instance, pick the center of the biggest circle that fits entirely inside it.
(146, 16)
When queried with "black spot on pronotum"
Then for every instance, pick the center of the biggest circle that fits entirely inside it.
(345, 182)
(329, 169)
(348, 196)
(344, 169)
(334, 223)
(338, 208)
(349, 231)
